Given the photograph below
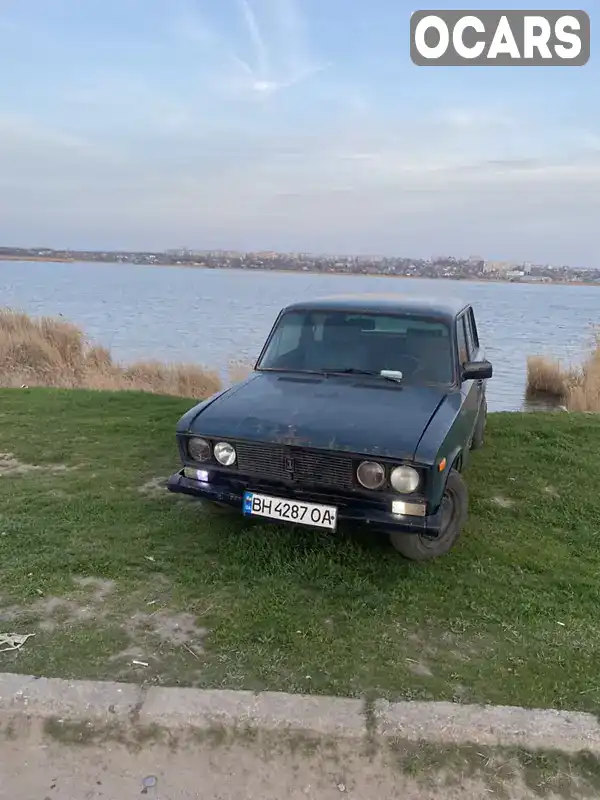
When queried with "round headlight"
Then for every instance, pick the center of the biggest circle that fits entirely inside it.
(370, 474)
(225, 453)
(199, 449)
(404, 479)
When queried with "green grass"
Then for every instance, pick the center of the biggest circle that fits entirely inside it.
(509, 616)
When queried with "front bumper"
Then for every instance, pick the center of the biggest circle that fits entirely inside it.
(350, 510)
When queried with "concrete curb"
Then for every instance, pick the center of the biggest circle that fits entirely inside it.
(175, 708)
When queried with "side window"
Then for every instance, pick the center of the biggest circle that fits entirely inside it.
(471, 344)
(474, 328)
(461, 335)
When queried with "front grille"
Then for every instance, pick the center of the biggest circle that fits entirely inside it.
(308, 468)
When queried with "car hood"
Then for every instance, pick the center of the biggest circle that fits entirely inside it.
(360, 415)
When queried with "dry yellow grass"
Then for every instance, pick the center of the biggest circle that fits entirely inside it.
(578, 389)
(547, 377)
(239, 371)
(53, 352)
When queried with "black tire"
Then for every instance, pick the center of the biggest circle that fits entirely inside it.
(479, 434)
(416, 546)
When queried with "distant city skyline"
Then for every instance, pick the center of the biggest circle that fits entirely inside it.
(191, 252)
(287, 125)
(469, 268)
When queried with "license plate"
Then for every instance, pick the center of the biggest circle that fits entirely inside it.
(295, 511)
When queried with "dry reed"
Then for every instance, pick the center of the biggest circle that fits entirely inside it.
(577, 388)
(53, 352)
(238, 371)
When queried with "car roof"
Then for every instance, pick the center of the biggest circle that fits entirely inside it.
(446, 308)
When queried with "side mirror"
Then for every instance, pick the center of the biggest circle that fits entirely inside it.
(477, 371)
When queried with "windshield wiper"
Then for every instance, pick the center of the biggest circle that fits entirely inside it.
(387, 374)
(285, 369)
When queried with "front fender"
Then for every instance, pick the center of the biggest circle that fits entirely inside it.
(437, 484)
(441, 439)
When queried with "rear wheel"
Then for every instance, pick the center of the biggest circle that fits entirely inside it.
(455, 502)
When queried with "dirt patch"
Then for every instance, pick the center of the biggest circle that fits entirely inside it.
(133, 653)
(157, 487)
(154, 632)
(460, 656)
(418, 668)
(56, 612)
(461, 694)
(154, 486)
(155, 638)
(551, 491)
(9, 465)
(175, 629)
(503, 502)
(101, 588)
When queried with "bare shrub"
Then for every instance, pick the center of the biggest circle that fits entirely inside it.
(52, 352)
(546, 377)
(238, 371)
(578, 389)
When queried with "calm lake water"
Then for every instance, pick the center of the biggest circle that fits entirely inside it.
(211, 317)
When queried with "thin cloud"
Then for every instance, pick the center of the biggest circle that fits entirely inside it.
(586, 140)
(260, 48)
(128, 97)
(21, 132)
(279, 44)
(476, 119)
(295, 37)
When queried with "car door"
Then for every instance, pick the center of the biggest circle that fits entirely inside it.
(475, 350)
(471, 391)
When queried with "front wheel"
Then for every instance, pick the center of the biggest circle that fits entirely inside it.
(455, 502)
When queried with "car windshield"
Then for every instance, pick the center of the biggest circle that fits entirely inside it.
(340, 341)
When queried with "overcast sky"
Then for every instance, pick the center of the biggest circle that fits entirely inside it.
(286, 125)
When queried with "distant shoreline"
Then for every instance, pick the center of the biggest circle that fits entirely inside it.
(43, 260)
(530, 282)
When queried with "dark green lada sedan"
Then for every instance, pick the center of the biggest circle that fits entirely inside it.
(360, 408)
